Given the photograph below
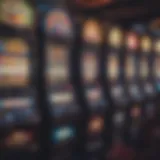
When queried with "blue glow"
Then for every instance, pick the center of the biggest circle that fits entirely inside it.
(158, 87)
(62, 134)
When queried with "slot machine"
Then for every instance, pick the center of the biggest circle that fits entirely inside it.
(96, 105)
(145, 73)
(150, 130)
(115, 89)
(134, 71)
(19, 111)
(58, 45)
(155, 32)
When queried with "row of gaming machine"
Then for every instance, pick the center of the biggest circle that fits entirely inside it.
(76, 91)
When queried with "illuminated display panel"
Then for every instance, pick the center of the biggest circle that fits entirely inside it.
(112, 66)
(92, 37)
(14, 63)
(115, 37)
(11, 103)
(16, 13)
(89, 66)
(18, 109)
(132, 41)
(93, 95)
(130, 67)
(157, 47)
(157, 68)
(59, 35)
(57, 70)
(62, 101)
(132, 44)
(95, 125)
(20, 139)
(146, 44)
(58, 22)
(144, 68)
(62, 98)
(92, 32)
(63, 134)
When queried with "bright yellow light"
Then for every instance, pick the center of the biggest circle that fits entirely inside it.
(146, 44)
(157, 46)
(115, 37)
(92, 32)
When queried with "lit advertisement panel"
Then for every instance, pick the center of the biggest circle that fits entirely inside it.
(91, 32)
(63, 134)
(57, 69)
(112, 66)
(157, 68)
(20, 138)
(58, 23)
(146, 44)
(131, 60)
(115, 37)
(17, 110)
(15, 13)
(14, 63)
(132, 41)
(89, 66)
(62, 102)
(156, 63)
(95, 125)
(130, 67)
(144, 68)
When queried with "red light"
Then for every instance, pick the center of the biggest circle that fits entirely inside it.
(132, 41)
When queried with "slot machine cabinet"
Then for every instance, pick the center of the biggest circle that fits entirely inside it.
(145, 73)
(19, 113)
(58, 45)
(150, 129)
(114, 86)
(95, 102)
(150, 143)
(134, 88)
(155, 32)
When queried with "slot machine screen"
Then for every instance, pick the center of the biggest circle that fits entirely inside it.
(131, 61)
(14, 62)
(157, 68)
(144, 62)
(16, 13)
(146, 44)
(58, 24)
(144, 68)
(95, 125)
(94, 96)
(132, 42)
(113, 67)
(157, 60)
(130, 67)
(89, 66)
(114, 41)
(64, 103)
(57, 63)
(92, 32)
